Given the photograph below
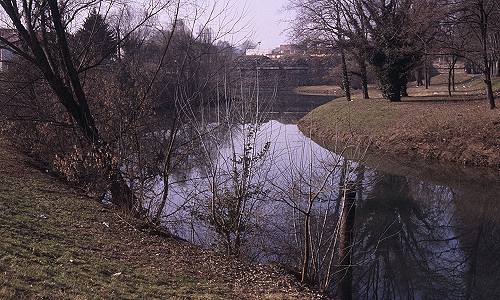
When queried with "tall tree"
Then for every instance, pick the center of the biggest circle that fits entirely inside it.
(399, 31)
(478, 17)
(42, 28)
(325, 22)
(356, 19)
(95, 39)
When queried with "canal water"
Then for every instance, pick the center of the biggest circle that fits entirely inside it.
(422, 230)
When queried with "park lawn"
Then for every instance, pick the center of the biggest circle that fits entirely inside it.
(428, 125)
(55, 243)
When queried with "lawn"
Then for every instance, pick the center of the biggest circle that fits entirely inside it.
(429, 124)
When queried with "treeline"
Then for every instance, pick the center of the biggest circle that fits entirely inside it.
(101, 92)
(398, 39)
(129, 102)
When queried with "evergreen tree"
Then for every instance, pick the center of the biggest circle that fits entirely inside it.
(400, 32)
(95, 39)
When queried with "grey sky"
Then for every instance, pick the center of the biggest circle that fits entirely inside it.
(267, 20)
(259, 20)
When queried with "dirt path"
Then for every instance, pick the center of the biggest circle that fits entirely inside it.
(57, 244)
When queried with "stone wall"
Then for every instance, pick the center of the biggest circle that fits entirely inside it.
(280, 78)
(285, 73)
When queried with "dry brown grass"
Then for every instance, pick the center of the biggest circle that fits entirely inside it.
(321, 90)
(428, 124)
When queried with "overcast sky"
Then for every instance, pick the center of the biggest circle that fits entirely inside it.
(264, 20)
(268, 19)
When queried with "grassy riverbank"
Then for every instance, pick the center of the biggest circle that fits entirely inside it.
(426, 125)
(58, 244)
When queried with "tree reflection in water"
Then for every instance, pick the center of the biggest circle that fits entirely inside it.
(414, 237)
(416, 240)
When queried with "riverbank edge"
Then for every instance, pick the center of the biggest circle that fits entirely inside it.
(399, 146)
(58, 243)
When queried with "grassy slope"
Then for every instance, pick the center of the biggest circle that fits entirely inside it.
(428, 124)
(56, 244)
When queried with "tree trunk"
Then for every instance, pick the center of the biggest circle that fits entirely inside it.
(392, 90)
(419, 75)
(122, 195)
(497, 71)
(166, 170)
(428, 78)
(307, 248)
(450, 75)
(364, 78)
(489, 89)
(63, 78)
(404, 87)
(166, 186)
(454, 86)
(346, 243)
(346, 83)
(426, 74)
(84, 114)
(404, 90)
(486, 63)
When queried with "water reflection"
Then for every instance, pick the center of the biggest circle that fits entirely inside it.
(406, 245)
(410, 237)
(419, 240)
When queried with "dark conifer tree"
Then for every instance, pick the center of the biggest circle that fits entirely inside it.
(95, 40)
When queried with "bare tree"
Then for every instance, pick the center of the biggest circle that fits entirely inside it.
(477, 17)
(324, 22)
(468, 31)
(42, 28)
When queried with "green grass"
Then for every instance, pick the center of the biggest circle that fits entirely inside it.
(47, 251)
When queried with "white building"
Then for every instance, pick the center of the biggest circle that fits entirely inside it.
(258, 52)
(5, 54)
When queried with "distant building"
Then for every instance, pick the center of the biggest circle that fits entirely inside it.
(286, 51)
(277, 53)
(289, 51)
(258, 52)
(5, 54)
(205, 35)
